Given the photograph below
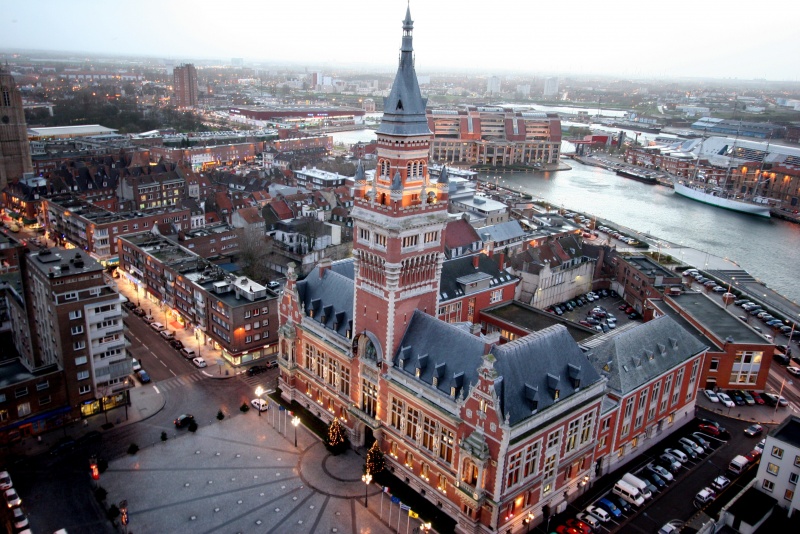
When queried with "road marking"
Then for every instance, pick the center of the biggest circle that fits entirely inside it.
(156, 388)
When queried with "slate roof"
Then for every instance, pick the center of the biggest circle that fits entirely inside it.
(505, 231)
(440, 349)
(330, 296)
(638, 355)
(404, 108)
(529, 369)
(533, 367)
(461, 270)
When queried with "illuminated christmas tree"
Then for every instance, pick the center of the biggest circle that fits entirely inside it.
(336, 437)
(375, 461)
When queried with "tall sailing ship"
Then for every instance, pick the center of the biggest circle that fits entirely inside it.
(709, 192)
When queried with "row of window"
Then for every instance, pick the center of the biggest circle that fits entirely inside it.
(21, 392)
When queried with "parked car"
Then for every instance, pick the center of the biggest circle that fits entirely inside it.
(579, 525)
(688, 450)
(271, 364)
(769, 399)
(599, 513)
(701, 440)
(183, 420)
(680, 455)
(589, 519)
(621, 503)
(725, 400)
(669, 462)
(720, 483)
(5, 481)
(748, 399)
(609, 507)
(686, 442)
(704, 497)
(756, 397)
(710, 395)
(652, 479)
(158, 327)
(135, 365)
(169, 335)
(176, 344)
(187, 353)
(660, 471)
(12, 499)
(736, 397)
(20, 520)
(792, 370)
(143, 377)
(139, 312)
(199, 362)
(710, 427)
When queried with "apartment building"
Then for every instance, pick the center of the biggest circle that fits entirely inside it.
(495, 136)
(779, 469)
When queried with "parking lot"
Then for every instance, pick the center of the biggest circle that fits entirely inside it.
(609, 314)
(677, 498)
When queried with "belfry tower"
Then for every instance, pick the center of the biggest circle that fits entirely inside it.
(399, 218)
(15, 151)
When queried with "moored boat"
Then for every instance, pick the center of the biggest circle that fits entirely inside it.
(716, 197)
(638, 176)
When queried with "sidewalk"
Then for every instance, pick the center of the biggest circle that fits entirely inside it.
(146, 401)
(760, 413)
(218, 367)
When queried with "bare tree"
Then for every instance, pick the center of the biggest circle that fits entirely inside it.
(254, 252)
(310, 228)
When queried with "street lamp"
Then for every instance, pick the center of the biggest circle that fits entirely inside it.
(528, 520)
(259, 392)
(366, 479)
(295, 422)
(780, 394)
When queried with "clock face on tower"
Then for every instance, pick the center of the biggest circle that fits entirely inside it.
(5, 119)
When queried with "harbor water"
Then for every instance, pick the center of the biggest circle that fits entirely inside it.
(768, 249)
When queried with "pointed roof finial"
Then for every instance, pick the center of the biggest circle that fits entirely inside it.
(359, 171)
(444, 178)
(408, 23)
(397, 182)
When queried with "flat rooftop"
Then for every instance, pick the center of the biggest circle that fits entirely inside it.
(651, 268)
(533, 320)
(59, 262)
(788, 431)
(716, 319)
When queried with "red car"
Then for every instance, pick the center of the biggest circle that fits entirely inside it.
(623, 307)
(579, 525)
(710, 427)
(563, 529)
(586, 323)
(756, 397)
(629, 309)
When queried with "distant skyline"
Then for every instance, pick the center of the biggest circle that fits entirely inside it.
(708, 38)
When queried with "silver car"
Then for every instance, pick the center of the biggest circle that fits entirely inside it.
(694, 446)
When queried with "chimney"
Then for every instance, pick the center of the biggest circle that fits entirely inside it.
(501, 260)
(323, 265)
(475, 261)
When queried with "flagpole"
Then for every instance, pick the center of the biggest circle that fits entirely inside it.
(399, 514)
(408, 521)
(390, 515)
(384, 491)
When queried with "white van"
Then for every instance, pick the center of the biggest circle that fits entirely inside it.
(638, 484)
(628, 492)
(738, 465)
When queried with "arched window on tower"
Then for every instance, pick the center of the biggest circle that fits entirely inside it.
(6, 97)
(410, 171)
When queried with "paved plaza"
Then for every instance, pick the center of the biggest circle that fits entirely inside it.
(242, 475)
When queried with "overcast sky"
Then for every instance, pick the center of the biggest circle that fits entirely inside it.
(708, 38)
